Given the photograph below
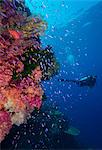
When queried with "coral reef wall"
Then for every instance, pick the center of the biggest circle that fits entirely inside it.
(23, 64)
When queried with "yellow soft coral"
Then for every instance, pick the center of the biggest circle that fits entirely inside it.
(33, 27)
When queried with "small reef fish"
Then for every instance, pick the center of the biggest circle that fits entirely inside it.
(15, 34)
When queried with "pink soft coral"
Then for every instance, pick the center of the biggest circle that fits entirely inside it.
(5, 124)
(37, 74)
(5, 75)
(17, 99)
(31, 93)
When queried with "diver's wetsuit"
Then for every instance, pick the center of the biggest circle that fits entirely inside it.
(89, 81)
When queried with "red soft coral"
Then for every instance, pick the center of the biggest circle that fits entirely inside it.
(5, 124)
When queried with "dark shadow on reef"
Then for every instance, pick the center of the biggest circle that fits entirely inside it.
(44, 130)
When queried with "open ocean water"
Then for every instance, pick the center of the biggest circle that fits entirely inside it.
(76, 30)
(75, 34)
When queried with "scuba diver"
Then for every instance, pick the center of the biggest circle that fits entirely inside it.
(89, 81)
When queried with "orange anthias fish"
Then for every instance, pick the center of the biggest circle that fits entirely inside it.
(16, 35)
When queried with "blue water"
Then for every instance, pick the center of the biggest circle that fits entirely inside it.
(75, 33)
